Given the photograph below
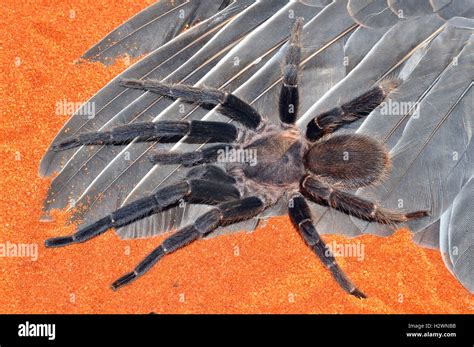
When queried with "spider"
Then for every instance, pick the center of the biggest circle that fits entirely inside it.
(316, 165)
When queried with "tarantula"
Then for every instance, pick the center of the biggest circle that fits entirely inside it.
(290, 165)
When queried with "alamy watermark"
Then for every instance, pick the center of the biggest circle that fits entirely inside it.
(28, 329)
(399, 108)
(237, 155)
(21, 250)
(354, 250)
(68, 108)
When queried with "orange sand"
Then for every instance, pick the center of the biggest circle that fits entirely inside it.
(275, 272)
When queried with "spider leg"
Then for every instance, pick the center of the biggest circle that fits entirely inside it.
(289, 97)
(300, 215)
(225, 213)
(210, 173)
(330, 121)
(194, 191)
(230, 105)
(206, 155)
(323, 194)
(153, 131)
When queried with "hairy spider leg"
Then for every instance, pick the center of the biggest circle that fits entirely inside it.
(289, 97)
(360, 107)
(323, 194)
(229, 105)
(210, 173)
(300, 215)
(194, 191)
(206, 155)
(226, 213)
(163, 131)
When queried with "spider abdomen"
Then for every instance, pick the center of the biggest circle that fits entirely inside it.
(350, 160)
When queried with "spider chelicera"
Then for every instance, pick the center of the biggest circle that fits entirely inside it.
(290, 165)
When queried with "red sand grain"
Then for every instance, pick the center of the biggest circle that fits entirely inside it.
(273, 272)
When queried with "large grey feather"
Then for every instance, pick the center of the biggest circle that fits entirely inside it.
(433, 166)
(381, 62)
(447, 61)
(388, 128)
(112, 98)
(430, 163)
(460, 237)
(419, 75)
(410, 8)
(372, 13)
(151, 28)
(448, 9)
(84, 164)
(360, 43)
(429, 236)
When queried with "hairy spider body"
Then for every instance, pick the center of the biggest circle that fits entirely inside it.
(279, 156)
(287, 164)
(350, 161)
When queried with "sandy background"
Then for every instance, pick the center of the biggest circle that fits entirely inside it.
(270, 270)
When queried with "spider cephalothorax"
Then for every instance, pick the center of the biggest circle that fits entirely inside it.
(285, 164)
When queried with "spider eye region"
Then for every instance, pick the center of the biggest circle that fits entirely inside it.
(352, 161)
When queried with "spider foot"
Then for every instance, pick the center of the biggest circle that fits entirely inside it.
(358, 294)
(124, 280)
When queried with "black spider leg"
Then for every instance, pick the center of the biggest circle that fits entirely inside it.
(226, 213)
(207, 155)
(326, 195)
(164, 131)
(300, 215)
(229, 105)
(211, 173)
(289, 97)
(194, 191)
(328, 122)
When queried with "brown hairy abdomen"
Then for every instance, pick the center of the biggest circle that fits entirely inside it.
(349, 160)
